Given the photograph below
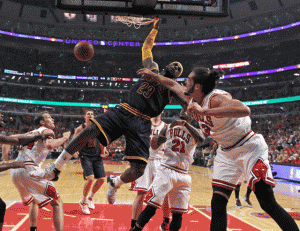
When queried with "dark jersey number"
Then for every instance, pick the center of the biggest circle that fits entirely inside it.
(146, 90)
(178, 146)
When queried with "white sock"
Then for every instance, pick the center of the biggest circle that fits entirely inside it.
(91, 195)
(118, 182)
(62, 159)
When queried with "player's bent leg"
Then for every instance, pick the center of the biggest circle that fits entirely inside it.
(265, 196)
(219, 208)
(137, 207)
(144, 217)
(58, 214)
(2, 212)
(176, 222)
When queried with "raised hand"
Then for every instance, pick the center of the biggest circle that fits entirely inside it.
(66, 135)
(156, 24)
(145, 72)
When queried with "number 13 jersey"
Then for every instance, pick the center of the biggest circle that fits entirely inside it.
(179, 149)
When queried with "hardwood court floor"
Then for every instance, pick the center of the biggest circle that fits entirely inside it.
(117, 217)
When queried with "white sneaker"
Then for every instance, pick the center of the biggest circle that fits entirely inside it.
(44, 174)
(84, 208)
(90, 202)
(112, 190)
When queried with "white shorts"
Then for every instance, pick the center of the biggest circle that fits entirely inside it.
(177, 185)
(143, 183)
(250, 159)
(42, 191)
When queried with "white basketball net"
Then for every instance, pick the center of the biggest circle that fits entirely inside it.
(135, 21)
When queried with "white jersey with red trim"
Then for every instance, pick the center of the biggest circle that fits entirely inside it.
(226, 131)
(180, 148)
(155, 130)
(37, 151)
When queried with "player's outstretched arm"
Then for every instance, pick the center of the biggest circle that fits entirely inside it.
(55, 143)
(147, 48)
(223, 106)
(167, 82)
(15, 164)
(158, 140)
(22, 139)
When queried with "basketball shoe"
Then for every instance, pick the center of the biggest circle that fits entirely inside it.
(248, 202)
(238, 203)
(112, 190)
(90, 202)
(84, 207)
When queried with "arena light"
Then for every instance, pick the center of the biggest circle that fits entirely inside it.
(137, 44)
(80, 104)
(232, 65)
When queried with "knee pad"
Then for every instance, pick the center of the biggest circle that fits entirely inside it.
(2, 210)
(176, 222)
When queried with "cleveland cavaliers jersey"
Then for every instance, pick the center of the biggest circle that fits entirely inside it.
(179, 148)
(92, 147)
(226, 131)
(155, 130)
(35, 151)
(148, 96)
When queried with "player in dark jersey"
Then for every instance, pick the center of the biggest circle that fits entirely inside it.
(20, 140)
(92, 165)
(131, 118)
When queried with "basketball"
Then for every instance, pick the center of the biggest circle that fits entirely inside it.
(84, 51)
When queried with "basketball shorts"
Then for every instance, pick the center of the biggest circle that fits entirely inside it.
(143, 183)
(250, 159)
(135, 127)
(42, 191)
(92, 166)
(177, 185)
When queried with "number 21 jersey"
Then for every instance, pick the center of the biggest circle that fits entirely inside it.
(179, 148)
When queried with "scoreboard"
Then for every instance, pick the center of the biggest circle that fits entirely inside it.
(208, 8)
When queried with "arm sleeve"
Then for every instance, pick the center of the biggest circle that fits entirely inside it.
(148, 45)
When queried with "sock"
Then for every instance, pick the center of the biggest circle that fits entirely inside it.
(118, 182)
(249, 190)
(133, 223)
(33, 229)
(166, 219)
(91, 195)
(62, 159)
(237, 191)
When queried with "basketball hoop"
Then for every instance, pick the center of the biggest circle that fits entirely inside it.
(135, 21)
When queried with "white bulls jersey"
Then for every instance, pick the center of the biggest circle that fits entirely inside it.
(226, 131)
(179, 150)
(37, 151)
(155, 130)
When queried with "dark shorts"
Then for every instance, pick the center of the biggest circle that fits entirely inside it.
(92, 166)
(136, 129)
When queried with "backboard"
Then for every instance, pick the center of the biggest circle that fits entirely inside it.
(194, 8)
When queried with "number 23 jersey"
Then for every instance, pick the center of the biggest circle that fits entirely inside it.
(179, 148)
(148, 96)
